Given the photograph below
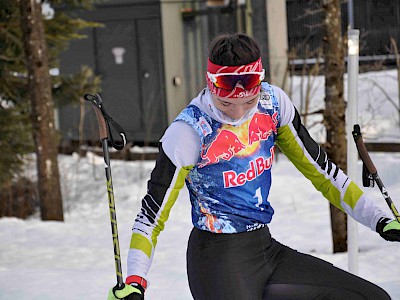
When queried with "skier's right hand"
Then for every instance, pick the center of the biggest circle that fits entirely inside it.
(127, 292)
(389, 229)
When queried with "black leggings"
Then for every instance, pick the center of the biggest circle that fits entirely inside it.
(253, 266)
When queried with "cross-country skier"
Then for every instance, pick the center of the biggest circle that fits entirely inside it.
(222, 145)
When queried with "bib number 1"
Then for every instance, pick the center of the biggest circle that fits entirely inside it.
(259, 198)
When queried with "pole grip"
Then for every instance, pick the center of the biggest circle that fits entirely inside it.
(102, 123)
(362, 150)
(97, 103)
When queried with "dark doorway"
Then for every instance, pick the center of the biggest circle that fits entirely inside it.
(127, 53)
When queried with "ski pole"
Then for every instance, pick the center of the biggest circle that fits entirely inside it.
(103, 119)
(369, 165)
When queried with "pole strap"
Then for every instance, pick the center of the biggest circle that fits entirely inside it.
(106, 123)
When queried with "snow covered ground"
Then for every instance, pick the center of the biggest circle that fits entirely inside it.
(74, 259)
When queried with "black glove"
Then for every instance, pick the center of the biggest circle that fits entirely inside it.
(388, 229)
(126, 292)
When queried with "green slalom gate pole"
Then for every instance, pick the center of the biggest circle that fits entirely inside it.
(369, 165)
(103, 120)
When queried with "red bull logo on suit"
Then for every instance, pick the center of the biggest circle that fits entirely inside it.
(225, 146)
(228, 142)
(261, 127)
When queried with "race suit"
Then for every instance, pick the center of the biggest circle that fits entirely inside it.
(226, 165)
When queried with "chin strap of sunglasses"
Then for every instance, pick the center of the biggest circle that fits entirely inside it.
(96, 101)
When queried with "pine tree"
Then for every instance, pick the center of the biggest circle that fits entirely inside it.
(39, 90)
(25, 76)
(15, 138)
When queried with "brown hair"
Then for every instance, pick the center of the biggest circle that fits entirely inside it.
(233, 50)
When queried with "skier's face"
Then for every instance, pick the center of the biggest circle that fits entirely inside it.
(235, 108)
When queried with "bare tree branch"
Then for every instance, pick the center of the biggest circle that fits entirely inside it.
(387, 96)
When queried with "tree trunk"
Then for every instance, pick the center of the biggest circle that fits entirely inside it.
(44, 133)
(335, 109)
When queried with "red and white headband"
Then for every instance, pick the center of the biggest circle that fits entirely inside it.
(254, 69)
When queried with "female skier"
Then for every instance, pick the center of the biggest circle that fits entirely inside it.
(222, 145)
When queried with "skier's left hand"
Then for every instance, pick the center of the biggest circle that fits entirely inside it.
(127, 292)
(388, 229)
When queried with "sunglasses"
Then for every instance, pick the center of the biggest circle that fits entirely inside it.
(228, 81)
